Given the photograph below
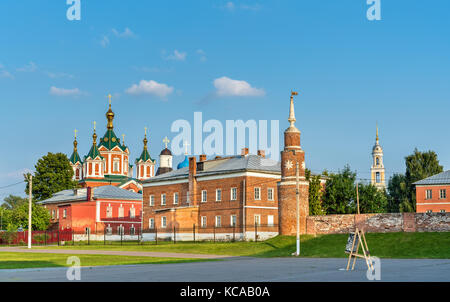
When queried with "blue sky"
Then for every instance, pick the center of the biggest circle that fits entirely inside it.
(351, 74)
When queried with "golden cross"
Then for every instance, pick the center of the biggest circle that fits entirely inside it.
(94, 124)
(166, 141)
(75, 133)
(145, 130)
(109, 97)
(186, 144)
(123, 139)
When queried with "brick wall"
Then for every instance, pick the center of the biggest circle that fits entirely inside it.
(379, 223)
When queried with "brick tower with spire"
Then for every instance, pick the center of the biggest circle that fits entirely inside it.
(287, 187)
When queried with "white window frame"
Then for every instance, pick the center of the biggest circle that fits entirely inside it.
(442, 194)
(132, 212)
(163, 222)
(65, 213)
(257, 189)
(233, 193)
(151, 200)
(109, 211)
(429, 211)
(175, 198)
(116, 165)
(163, 199)
(218, 221)
(430, 195)
(218, 194)
(121, 211)
(151, 223)
(269, 222)
(442, 211)
(233, 222)
(257, 219)
(270, 196)
(203, 222)
(188, 200)
(204, 196)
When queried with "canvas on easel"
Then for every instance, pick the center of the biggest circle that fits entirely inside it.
(356, 240)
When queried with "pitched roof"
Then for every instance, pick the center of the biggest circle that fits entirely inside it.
(93, 153)
(75, 157)
(110, 141)
(144, 156)
(102, 192)
(438, 179)
(225, 165)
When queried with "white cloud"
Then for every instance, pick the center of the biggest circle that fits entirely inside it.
(65, 92)
(150, 87)
(31, 67)
(177, 56)
(104, 42)
(127, 33)
(202, 54)
(5, 73)
(229, 5)
(56, 75)
(229, 87)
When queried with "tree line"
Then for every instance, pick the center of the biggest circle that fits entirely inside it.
(338, 195)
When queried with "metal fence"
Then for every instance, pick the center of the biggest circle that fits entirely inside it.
(136, 236)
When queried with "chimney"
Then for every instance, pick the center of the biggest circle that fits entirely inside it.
(202, 157)
(90, 194)
(192, 180)
(192, 166)
(262, 153)
(244, 151)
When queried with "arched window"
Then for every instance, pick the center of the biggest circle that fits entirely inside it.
(377, 161)
(378, 178)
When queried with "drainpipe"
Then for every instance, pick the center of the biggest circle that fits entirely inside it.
(244, 192)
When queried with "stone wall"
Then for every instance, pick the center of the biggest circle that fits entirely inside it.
(379, 223)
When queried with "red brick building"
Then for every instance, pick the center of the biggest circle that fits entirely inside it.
(432, 194)
(96, 210)
(237, 194)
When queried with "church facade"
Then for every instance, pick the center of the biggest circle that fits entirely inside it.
(108, 161)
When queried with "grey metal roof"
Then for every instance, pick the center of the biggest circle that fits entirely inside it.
(101, 192)
(225, 165)
(438, 179)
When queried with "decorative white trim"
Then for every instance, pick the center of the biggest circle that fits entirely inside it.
(426, 203)
(261, 207)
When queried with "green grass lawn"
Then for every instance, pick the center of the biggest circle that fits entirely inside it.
(35, 260)
(383, 245)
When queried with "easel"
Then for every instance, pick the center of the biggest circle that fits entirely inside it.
(361, 238)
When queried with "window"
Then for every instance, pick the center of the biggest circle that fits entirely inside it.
(218, 195)
(116, 165)
(257, 219)
(233, 193)
(203, 221)
(87, 231)
(233, 220)
(120, 230)
(53, 214)
(429, 194)
(163, 222)
(443, 194)
(175, 198)
(218, 221)
(378, 178)
(270, 194)
(270, 220)
(65, 213)
(187, 197)
(132, 212)
(429, 211)
(121, 211)
(152, 200)
(204, 196)
(109, 211)
(151, 223)
(163, 199)
(257, 193)
(378, 161)
(57, 214)
(109, 230)
(442, 211)
(132, 230)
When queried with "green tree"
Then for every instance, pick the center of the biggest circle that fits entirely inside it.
(371, 199)
(11, 202)
(5, 215)
(315, 196)
(420, 165)
(340, 193)
(398, 197)
(40, 217)
(53, 174)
